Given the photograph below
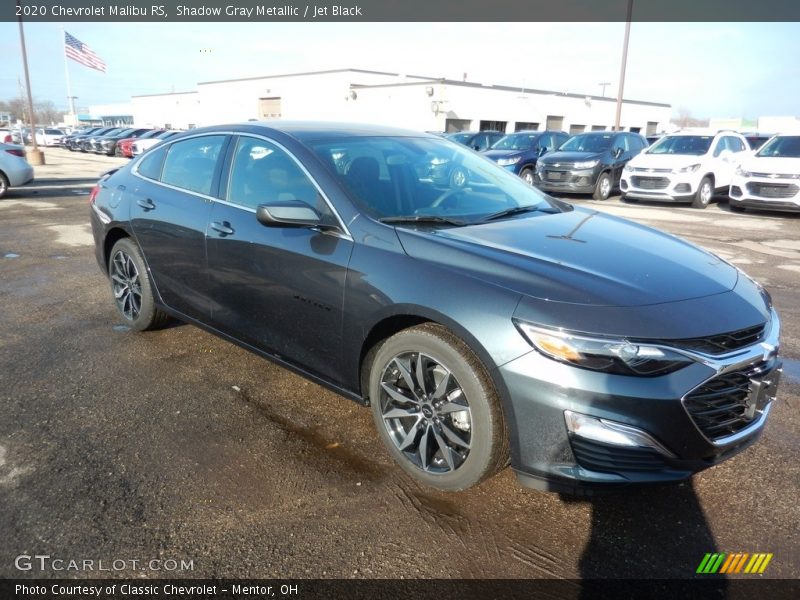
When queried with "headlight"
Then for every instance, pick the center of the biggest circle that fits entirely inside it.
(587, 164)
(609, 355)
(689, 169)
(628, 167)
(742, 173)
(504, 162)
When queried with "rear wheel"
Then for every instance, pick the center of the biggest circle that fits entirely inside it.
(436, 409)
(133, 292)
(4, 185)
(602, 189)
(705, 191)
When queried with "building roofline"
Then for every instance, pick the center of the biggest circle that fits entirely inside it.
(508, 88)
(369, 72)
(164, 94)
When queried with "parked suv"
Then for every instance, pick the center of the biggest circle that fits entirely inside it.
(518, 152)
(771, 178)
(588, 163)
(108, 144)
(477, 140)
(684, 167)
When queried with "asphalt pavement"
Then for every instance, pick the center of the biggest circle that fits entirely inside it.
(177, 446)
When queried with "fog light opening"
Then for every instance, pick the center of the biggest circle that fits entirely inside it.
(611, 432)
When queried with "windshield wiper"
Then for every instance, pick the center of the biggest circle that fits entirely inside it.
(517, 210)
(422, 219)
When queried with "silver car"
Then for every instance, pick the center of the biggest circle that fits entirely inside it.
(14, 168)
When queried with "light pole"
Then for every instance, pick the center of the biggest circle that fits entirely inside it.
(622, 66)
(35, 156)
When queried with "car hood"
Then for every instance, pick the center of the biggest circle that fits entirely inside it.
(498, 154)
(665, 161)
(772, 164)
(556, 157)
(579, 257)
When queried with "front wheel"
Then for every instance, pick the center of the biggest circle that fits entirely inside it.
(527, 175)
(705, 191)
(602, 189)
(133, 292)
(436, 409)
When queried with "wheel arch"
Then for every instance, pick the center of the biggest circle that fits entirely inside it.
(113, 235)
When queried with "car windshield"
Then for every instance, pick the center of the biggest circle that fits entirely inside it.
(785, 146)
(461, 138)
(695, 145)
(516, 141)
(590, 142)
(426, 179)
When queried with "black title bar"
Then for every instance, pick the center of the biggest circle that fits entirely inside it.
(122, 11)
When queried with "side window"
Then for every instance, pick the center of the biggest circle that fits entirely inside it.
(150, 166)
(546, 141)
(735, 144)
(190, 163)
(262, 173)
(722, 144)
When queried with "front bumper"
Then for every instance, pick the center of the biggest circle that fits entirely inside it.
(569, 181)
(660, 186)
(549, 456)
(779, 194)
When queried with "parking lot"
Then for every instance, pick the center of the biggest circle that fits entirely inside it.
(178, 445)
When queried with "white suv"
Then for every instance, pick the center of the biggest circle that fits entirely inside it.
(684, 167)
(770, 178)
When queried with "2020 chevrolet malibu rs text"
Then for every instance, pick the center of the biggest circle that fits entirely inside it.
(483, 321)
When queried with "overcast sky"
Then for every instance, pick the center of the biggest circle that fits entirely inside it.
(712, 69)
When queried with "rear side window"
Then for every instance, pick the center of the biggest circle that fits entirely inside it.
(150, 166)
(190, 164)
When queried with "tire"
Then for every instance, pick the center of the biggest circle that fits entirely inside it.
(705, 191)
(443, 448)
(527, 175)
(4, 185)
(602, 189)
(132, 289)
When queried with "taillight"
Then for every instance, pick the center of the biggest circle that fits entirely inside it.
(8, 139)
(16, 152)
(93, 194)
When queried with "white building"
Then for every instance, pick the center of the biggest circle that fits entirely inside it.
(409, 101)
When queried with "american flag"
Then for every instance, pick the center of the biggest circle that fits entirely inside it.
(80, 52)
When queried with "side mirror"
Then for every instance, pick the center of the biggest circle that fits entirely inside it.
(288, 213)
(617, 152)
(726, 155)
(543, 150)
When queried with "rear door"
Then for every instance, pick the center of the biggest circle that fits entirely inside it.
(280, 289)
(169, 213)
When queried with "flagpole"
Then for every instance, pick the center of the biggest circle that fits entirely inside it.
(70, 98)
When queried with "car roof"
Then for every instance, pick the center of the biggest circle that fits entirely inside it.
(305, 131)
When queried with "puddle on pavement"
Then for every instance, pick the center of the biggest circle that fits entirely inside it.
(791, 369)
(121, 328)
(10, 255)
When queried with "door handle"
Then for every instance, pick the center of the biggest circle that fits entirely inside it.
(146, 204)
(223, 228)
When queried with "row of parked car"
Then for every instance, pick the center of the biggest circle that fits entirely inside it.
(756, 170)
(115, 141)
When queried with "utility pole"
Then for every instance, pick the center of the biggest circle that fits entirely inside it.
(622, 66)
(35, 156)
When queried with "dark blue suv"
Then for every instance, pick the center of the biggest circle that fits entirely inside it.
(518, 152)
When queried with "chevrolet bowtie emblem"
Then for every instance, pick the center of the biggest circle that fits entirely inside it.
(773, 175)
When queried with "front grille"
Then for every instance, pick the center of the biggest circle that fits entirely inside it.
(772, 190)
(719, 406)
(777, 175)
(647, 170)
(556, 175)
(596, 456)
(723, 342)
(650, 183)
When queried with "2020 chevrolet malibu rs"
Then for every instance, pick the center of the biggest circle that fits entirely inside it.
(483, 321)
